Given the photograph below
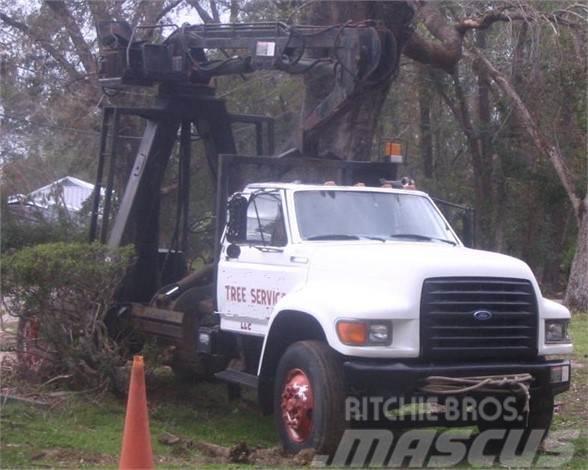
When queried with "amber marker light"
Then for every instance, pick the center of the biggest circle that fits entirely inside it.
(393, 148)
(393, 152)
(352, 333)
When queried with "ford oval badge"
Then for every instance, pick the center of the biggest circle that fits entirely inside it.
(482, 315)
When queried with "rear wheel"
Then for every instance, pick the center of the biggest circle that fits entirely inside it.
(309, 397)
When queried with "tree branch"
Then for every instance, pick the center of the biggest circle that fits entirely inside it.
(234, 10)
(167, 9)
(73, 73)
(432, 53)
(445, 53)
(529, 124)
(152, 11)
(214, 10)
(138, 13)
(147, 13)
(204, 15)
(484, 22)
(83, 50)
(447, 50)
(99, 11)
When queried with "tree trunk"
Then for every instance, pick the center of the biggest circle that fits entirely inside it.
(234, 11)
(426, 135)
(499, 201)
(482, 169)
(577, 291)
(487, 173)
(349, 135)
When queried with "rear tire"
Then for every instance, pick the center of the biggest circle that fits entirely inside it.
(309, 398)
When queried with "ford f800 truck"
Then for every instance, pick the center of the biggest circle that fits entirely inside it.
(319, 295)
(324, 293)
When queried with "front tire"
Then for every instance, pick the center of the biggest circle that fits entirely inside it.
(309, 396)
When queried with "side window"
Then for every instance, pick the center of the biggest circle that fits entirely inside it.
(265, 220)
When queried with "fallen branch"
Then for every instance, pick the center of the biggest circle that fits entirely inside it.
(55, 379)
(29, 401)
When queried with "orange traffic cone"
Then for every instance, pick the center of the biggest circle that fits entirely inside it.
(136, 446)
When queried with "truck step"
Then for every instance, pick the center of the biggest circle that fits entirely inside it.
(237, 377)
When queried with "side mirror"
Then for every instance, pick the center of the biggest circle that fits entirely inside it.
(237, 224)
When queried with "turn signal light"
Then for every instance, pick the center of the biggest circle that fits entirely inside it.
(352, 333)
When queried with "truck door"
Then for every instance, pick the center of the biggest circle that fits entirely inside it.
(250, 285)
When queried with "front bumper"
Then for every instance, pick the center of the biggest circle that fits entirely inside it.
(405, 378)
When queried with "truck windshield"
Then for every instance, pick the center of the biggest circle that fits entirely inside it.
(357, 215)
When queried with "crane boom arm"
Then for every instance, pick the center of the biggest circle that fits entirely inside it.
(357, 55)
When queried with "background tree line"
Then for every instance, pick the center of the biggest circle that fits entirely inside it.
(490, 104)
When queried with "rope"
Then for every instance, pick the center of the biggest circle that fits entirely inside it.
(517, 383)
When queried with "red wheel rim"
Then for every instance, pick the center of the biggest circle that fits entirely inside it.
(297, 405)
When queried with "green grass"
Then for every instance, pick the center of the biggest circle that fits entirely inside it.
(574, 412)
(91, 427)
(198, 413)
(579, 333)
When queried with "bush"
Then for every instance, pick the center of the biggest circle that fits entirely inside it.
(66, 289)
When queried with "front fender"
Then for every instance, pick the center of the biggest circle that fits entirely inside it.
(372, 300)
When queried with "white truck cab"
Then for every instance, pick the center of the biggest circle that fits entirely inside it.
(363, 290)
(326, 295)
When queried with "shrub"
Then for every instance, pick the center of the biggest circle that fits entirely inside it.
(65, 289)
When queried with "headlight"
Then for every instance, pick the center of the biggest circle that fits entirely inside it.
(364, 333)
(556, 331)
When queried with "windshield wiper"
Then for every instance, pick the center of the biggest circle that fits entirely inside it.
(334, 236)
(380, 239)
(418, 236)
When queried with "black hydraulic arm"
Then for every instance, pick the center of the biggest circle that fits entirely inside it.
(358, 55)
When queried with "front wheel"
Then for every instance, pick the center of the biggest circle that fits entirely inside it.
(309, 398)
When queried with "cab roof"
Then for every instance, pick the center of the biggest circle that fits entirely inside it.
(328, 187)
